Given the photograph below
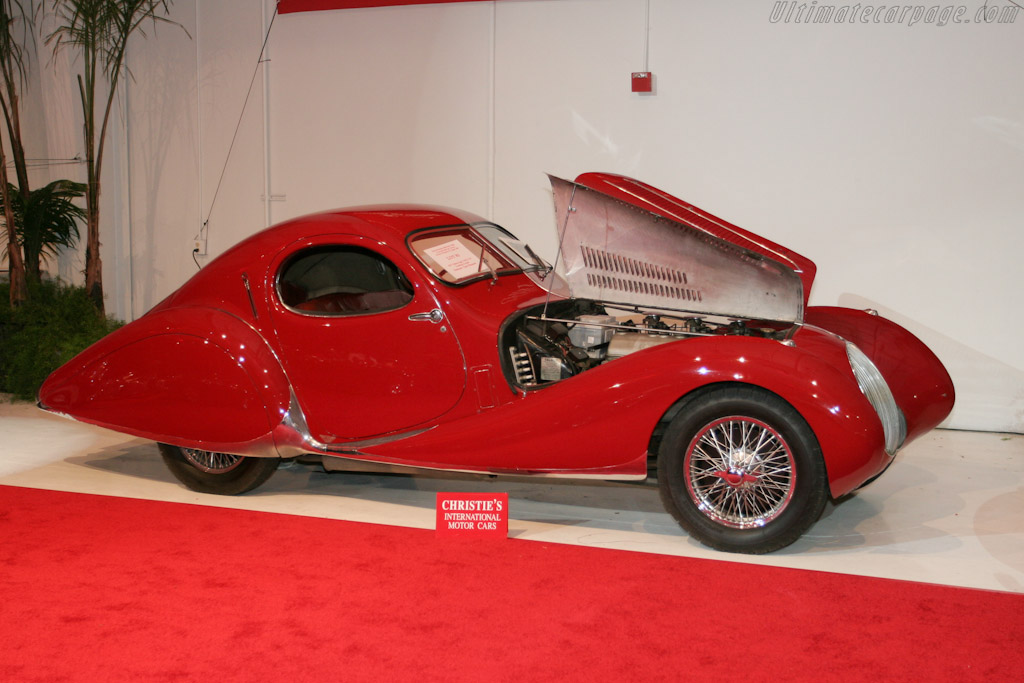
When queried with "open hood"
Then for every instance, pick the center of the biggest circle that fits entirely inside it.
(624, 242)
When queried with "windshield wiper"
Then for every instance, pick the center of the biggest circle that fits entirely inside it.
(540, 263)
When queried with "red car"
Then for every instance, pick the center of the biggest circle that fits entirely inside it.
(423, 337)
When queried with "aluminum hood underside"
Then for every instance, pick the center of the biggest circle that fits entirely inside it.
(618, 253)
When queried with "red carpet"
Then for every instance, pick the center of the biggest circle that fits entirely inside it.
(95, 588)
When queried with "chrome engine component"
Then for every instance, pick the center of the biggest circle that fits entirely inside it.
(625, 343)
(578, 335)
(592, 330)
(553, 344)
(522, 366)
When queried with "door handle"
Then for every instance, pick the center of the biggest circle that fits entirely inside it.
(434, 316)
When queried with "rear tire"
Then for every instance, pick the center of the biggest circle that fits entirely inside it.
(220, 473)
(741, 471)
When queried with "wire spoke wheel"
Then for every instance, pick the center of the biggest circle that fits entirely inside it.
(213, 472)
(213, 463)
(740, 472)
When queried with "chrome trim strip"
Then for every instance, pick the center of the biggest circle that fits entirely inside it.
(248, 290)
(294, 438)
(292, 435)
(354, 446)
(874, 387)
(570, 475)
(393, 468)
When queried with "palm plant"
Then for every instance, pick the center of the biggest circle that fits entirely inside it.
(46, 221)
(19, 287)
(13, 13)
(99, 30)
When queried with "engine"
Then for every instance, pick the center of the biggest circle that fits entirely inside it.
(572, 337)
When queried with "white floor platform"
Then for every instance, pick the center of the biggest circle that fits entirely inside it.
(949, 511)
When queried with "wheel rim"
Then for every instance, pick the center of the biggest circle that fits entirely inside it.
(214, 463)
(740, 472)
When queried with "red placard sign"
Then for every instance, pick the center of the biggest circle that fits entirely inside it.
(472, 514)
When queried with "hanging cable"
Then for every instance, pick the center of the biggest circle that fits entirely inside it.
(39, 163)
(647, 37)
(234, 136)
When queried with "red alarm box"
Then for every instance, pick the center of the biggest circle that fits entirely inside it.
(643, 81)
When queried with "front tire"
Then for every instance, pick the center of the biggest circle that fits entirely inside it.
(741, 471)
(220, 473)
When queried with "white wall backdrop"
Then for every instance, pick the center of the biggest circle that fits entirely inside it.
(891, 154)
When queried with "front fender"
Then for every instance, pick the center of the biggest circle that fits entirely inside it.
(193, 377)
(601, 420)
(813, 375)
(918, 380)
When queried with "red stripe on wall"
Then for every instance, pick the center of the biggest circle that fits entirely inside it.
(286, 6)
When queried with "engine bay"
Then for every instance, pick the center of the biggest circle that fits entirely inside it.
(544, 345)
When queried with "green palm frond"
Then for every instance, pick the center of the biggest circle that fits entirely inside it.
(101, 28)
(16, 34)
(48, 220)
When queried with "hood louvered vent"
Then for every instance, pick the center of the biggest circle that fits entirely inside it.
(625, 274)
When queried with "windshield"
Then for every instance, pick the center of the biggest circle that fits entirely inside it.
(463, 254)
(516, 250)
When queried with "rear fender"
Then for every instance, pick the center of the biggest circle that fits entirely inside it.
(193, 377)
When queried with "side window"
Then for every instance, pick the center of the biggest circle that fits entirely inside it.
(342, 280)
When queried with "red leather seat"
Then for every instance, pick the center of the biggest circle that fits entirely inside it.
(356, 303)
